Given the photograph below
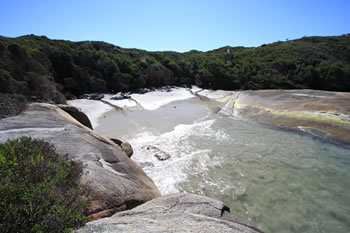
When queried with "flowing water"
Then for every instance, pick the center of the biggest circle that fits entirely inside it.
(276, 180)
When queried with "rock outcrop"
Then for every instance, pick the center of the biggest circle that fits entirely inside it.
(115, 182)
(323, 114)
(179, 212)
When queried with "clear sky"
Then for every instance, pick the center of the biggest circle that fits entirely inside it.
(177, 25)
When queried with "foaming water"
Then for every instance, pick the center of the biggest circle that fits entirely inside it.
(278, 181)
(179, 145)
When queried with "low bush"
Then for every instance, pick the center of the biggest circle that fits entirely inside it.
(38, 188)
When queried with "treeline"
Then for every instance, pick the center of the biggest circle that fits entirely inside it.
(51, 70)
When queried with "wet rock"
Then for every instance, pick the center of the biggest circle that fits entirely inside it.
(116, 183)
(179, 212)
(158, 153)
(162, 155)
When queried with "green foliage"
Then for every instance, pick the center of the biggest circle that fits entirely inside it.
(38, 189)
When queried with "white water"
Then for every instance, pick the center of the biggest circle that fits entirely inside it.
(278, 181)
(167, 174)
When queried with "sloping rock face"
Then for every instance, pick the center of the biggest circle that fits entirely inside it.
(115, 182)
(321, 113)
(179, 212)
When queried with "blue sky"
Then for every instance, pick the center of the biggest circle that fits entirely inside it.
(178, 25)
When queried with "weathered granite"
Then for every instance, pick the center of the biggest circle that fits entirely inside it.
(115, 182)
(179, 212)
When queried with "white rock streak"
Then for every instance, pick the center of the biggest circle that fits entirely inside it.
(31, 130)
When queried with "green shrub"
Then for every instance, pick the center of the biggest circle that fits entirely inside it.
(38, 188)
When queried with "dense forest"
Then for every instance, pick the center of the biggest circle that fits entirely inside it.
(35, 68)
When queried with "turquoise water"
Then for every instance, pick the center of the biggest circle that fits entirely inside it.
(279, 181)
(276, 180)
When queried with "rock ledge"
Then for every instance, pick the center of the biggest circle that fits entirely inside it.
(179, 212)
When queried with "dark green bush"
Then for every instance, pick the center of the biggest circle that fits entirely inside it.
(38, 189)
(11, 104)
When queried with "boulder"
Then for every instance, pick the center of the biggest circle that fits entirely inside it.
(77, 114)
(179, 212)
(126, 147)
(114, 181)
(161, 155)
(158, 153)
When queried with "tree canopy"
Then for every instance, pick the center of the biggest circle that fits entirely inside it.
(51, 70)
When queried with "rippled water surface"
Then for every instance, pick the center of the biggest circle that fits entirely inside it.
(278, 181)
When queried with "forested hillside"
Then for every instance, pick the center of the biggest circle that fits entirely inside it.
(39, 69)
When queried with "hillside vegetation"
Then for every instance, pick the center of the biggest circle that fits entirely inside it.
(47, 70)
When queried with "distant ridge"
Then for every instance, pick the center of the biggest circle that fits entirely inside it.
(41, 69)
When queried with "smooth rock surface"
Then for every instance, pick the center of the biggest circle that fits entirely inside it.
(323, 114)
(115, 182)
(179, 212)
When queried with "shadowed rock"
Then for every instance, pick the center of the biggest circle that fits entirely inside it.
(76, 114)
(115, 182)
(116, 141)
(179, 212)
